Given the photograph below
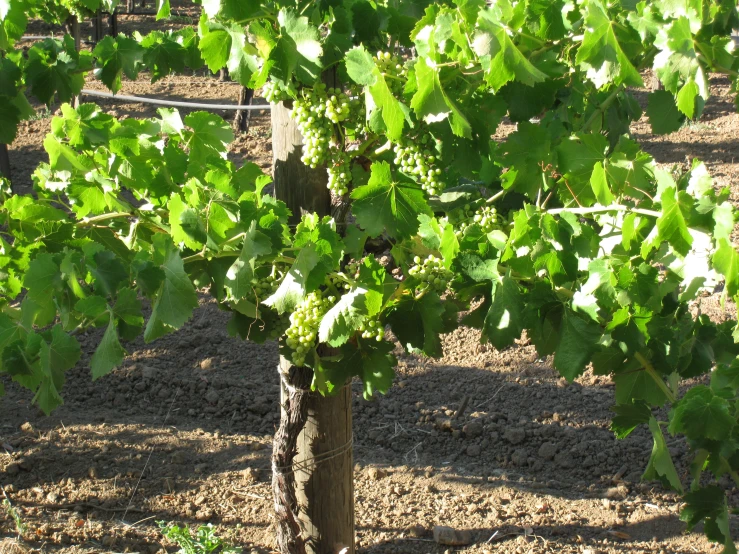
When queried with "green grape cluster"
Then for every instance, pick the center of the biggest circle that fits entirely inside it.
(304, 322)
(274, 92)
(262, 288)
(372, 328)
(485, 216)
(415, 158)
(431, 272)
(339, 172)
(338, 105)
(310, 114)
(389, 64)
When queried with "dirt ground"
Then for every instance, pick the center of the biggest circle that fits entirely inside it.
(182, 431)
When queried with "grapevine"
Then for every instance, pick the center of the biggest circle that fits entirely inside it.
(599, 259)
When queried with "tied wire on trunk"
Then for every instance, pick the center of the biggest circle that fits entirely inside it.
(295, 383)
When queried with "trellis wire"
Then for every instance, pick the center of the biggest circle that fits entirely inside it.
(174, 103)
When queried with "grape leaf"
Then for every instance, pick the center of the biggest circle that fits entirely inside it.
(709, 504)
(387, 205)
(672, 223)
(600, 53)
(116, 57)
(294, 286)
(577, 343)
(503, 322)
(701, 414)
(660, 462)
(418, 323)
(664, 117)
(500, 58)
(176, 298)
(726, 262)
(371, 361)
(628, 417)
(109, 353)
(210, 136)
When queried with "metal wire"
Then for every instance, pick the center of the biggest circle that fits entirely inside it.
(174, 103)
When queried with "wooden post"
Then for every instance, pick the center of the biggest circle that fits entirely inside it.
(243, 117)
(113, 21)
(97, 27)
(317, 517)
(303, 189)
(4, 161)
(73, 27)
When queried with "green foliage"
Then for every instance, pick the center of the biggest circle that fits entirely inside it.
(14, 514)
(565, 229)
(204, 541)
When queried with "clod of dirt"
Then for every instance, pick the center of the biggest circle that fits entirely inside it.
(206, 364)
(474, 450)
(12, 468)
(515, 435)
(617, 493)
(251, 475)
(547, 450)
(27, 427)
(375, 473)
(452, 537)
(443, 423)
(212, 396)
(149, 372)
(417, 531)
(473, 429)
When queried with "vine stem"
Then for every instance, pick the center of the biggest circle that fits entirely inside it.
(86, 222)
(604, 209)
(496, 196)
(602, 108)
(649, 368)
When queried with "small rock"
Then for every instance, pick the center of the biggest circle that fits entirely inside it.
(52, 496)
(548, 450)
(200, 500)
(251, 474)
(27, 427)
(515, 435)
(256, 446)
(375, 473)
(12, 468)
(93, 472)
(191, 412)
(449, 536)
(108, 540)
(9, 448)
(474, 450)
(473, 429)
(206, 364)
(201, 468)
